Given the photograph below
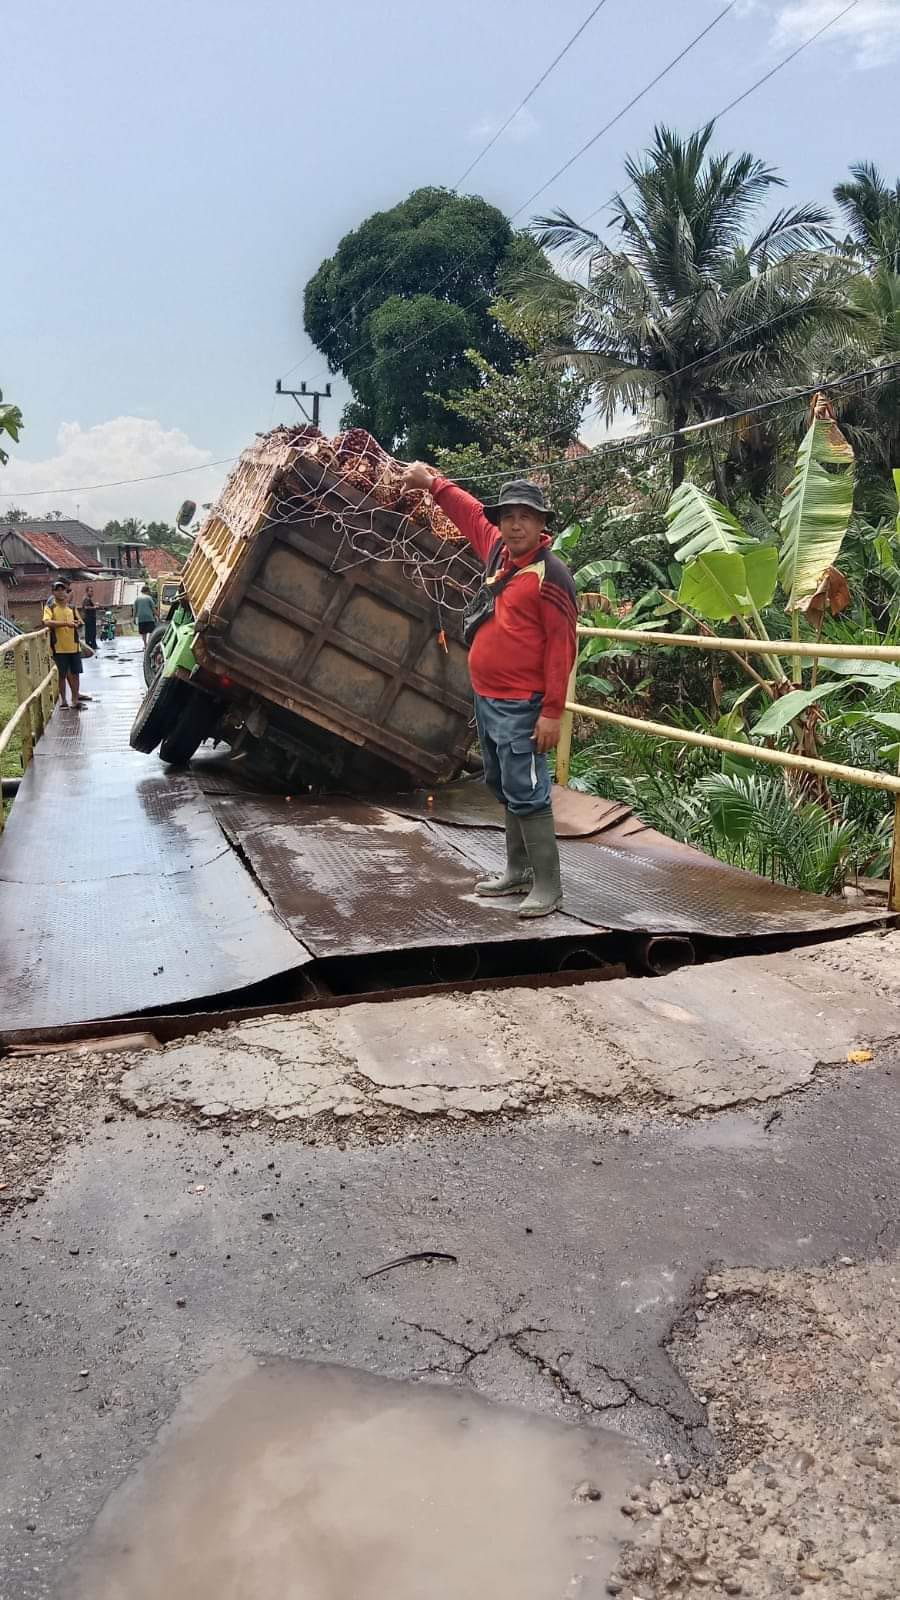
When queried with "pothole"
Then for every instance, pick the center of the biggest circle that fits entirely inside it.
(299, 1479)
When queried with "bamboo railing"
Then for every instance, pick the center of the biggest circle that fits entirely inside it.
(863, 776)
(36, 691)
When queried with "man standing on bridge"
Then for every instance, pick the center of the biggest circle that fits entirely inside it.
(520, 659)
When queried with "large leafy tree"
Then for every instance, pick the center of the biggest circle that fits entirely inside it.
(685, 317)
(871, 209)
(131, 531)
(403, 300)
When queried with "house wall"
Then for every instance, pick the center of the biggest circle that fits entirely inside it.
(27, 613)
(19, 554)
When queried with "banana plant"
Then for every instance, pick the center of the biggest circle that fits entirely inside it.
(815, 516)
(731, 574)
(11, 424)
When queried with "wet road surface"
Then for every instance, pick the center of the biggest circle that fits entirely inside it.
(141, 872)
(309, 1480)
(577, 1245)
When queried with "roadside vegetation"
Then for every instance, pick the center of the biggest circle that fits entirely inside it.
(11, 758)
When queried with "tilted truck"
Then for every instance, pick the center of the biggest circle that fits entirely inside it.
(318, 631)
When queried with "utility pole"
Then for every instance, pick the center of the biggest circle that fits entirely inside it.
(315, 395)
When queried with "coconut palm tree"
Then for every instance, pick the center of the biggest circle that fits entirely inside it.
(870, 412)
(686, 317)
(871, 209)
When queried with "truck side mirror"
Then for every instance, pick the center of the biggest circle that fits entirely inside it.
(187, 513)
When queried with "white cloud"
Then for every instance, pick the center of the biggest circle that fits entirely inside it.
(124, 447)
(524, 126)
(871, 29)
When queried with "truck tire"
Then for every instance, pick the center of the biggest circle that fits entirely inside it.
(153, 656)
(158, 714)
(196, 722)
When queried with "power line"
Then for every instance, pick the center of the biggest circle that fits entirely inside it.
(605, 129)
(636, 441)
(793, 55)
(470, 168)
(631, 441)
(532, 91)
(633, 102)
(744, 96)
(730, 106)
(117, 483)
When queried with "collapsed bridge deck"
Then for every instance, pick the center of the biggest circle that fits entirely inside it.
(128, 888)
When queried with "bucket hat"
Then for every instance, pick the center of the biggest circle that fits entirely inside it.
(519, 492)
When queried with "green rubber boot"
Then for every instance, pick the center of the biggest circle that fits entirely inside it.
(539, 833)
(516, 879)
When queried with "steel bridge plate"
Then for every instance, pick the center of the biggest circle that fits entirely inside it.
(674, 889)
(353, 879)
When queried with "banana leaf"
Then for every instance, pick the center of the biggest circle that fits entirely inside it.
(815, 512)
(588, 575)
(783, 711)
(590, 680)
(567, 539)
(722, 584)
(698, 524)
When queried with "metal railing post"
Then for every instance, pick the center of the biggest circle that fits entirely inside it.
(48, 670)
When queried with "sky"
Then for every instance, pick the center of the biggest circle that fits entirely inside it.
(175, 172)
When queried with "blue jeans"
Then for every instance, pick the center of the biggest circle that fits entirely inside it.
(519, 777)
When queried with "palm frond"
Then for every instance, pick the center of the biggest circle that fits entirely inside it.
(793, 228)
(561, 232)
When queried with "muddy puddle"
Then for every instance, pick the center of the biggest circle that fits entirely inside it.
(294, 1481)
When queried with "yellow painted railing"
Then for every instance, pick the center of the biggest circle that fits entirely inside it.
(863, 776)
(36, 690)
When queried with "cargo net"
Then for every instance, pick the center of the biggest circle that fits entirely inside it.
(354, 461)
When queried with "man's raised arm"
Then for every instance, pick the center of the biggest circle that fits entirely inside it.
(465, 512)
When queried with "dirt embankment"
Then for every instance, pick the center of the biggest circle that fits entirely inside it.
(800, 1372)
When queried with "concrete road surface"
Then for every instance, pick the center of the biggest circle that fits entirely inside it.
(659, 1209)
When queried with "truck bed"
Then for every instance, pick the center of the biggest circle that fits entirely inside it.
(357, 645)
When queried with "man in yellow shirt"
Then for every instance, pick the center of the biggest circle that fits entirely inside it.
(63, 620)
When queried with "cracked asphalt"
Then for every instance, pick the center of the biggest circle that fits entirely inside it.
(158, 1250)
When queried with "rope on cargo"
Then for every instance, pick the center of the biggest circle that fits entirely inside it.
(362, 541)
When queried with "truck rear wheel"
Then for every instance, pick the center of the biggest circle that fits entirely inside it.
(158, 714)
(196, 722)
(153, 656)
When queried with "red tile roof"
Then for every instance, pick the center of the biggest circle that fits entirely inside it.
(159, 563)
(57, 552)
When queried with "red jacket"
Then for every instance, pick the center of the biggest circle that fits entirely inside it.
(528, 645)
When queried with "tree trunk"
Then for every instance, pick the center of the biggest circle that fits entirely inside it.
(679, 445)
(718, 476)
